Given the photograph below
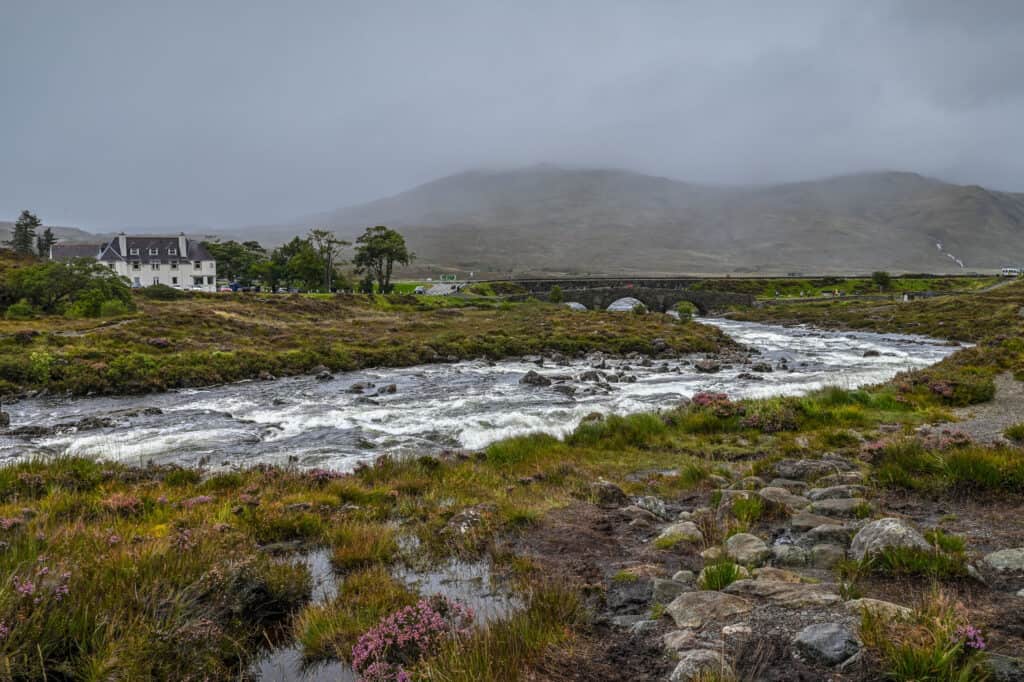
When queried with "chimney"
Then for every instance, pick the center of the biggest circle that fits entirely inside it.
(182, 246)
(122, 244)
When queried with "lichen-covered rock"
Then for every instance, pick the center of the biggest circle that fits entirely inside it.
(789, 555)
(882, 534)
(696, 663)
(879, 608)
(780, 497)
(1009, 561)
(789, 595)
(682, 530)
(844, 507)
(693, 609)
(826, 555)
(835, 491)
(607, 494)
(747, 549)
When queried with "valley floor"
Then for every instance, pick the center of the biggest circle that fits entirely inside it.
(843, 535)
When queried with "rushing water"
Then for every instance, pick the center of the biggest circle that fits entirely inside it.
(460, 405)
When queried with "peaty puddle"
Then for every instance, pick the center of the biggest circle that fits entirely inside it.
(471, 583)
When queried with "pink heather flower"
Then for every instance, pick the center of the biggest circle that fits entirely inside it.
(406, 636)
(9, 523)
(4, 630)
(113, 539)
(323, 475)
(196, 501)
(162, 499)
(24, 587)
(970, 636)
(123, 503)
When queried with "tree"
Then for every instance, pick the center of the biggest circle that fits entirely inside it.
(328, 247)
(881, 279)
(377, 251)
(23, 236)
(44, 242)
(236, 262)
(555, 296)
(52, 286)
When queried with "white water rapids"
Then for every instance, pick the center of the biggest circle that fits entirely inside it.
(460, 405)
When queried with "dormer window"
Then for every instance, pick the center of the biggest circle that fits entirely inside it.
(172, 252)
(133, 252)
(154, 252)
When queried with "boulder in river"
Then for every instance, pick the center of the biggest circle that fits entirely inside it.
(532, 378)
(707, 366)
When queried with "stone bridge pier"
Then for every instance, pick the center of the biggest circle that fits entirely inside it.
(656, 299)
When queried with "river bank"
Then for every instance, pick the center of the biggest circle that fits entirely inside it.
(202, 340)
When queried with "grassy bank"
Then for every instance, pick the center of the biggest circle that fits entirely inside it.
(207, 339)
(795, 287)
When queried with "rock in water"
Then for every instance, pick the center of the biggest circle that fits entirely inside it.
(532, 378)
(828, 643)
(882, 534)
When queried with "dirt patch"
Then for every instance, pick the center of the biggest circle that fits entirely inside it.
(606, 654)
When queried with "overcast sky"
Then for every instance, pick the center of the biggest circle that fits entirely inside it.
(222, 113)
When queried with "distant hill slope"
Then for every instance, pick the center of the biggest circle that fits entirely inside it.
(555, 219)
(68, 234)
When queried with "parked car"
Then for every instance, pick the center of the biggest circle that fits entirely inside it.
(226, 289)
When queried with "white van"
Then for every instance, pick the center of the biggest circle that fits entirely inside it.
(1011, 272)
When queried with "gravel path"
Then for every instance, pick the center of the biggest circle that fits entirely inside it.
(987, 421)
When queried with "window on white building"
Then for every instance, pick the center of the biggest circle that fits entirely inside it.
(174, 265)
(154, 252)
(174, 281)
(136, 282)
(199, 265)
(209, 280)
(197, 281)
(135, 265)
(172, 252)
(156, 280)
(133, 252)
(155, 265)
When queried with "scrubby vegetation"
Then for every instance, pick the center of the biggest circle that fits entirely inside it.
(196, 339)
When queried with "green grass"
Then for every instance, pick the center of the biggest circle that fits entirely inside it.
(748, 510)
(927, 647)
(1015, 433)
(357, 544)
(719, 575)
(909, 464)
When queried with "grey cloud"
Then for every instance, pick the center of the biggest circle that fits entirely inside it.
(231, 113)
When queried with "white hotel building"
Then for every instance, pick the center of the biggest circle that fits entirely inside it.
(178, 262)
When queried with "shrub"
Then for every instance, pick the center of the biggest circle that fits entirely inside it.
(408, 636)
(747, 510)
(22, 310)
(686, 310)
(114, 308)
(556, 294)
(161, 292)
(1015, 432)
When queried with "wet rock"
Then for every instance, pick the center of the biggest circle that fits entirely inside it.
(1005, 562)
(659, 345)
(827, 555)
(841, 478)
(831, 533)
(747, 549)
(884, 533)
(664, 591)
(684, 576)
(843, 507)
(629, 596)
(5, 420)
(789, 555)
(747, 376)
(804, 521)
(787, 595)
(532, 378)
(682, 530)
(835, 491)
(795, 487)
(319, 369)
(390, 389)
(678, 640)
(264, 375)
(782, 498)
(1005, 668)
(592, 375)
(608, 495)
(707, 366)
(693, 609)
(878, 608)
(324, 376)
(654, 505)
(809, 469)
(827, 643)
(359, 387)
(778, 575)
(696, 663)
(762, 367)
(565, 389)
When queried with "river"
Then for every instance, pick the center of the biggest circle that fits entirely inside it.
(433, 407)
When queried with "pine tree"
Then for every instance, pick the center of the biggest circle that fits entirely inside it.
(23, 237)
(44, 242)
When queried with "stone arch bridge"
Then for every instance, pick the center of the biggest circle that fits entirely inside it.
(660, 295)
